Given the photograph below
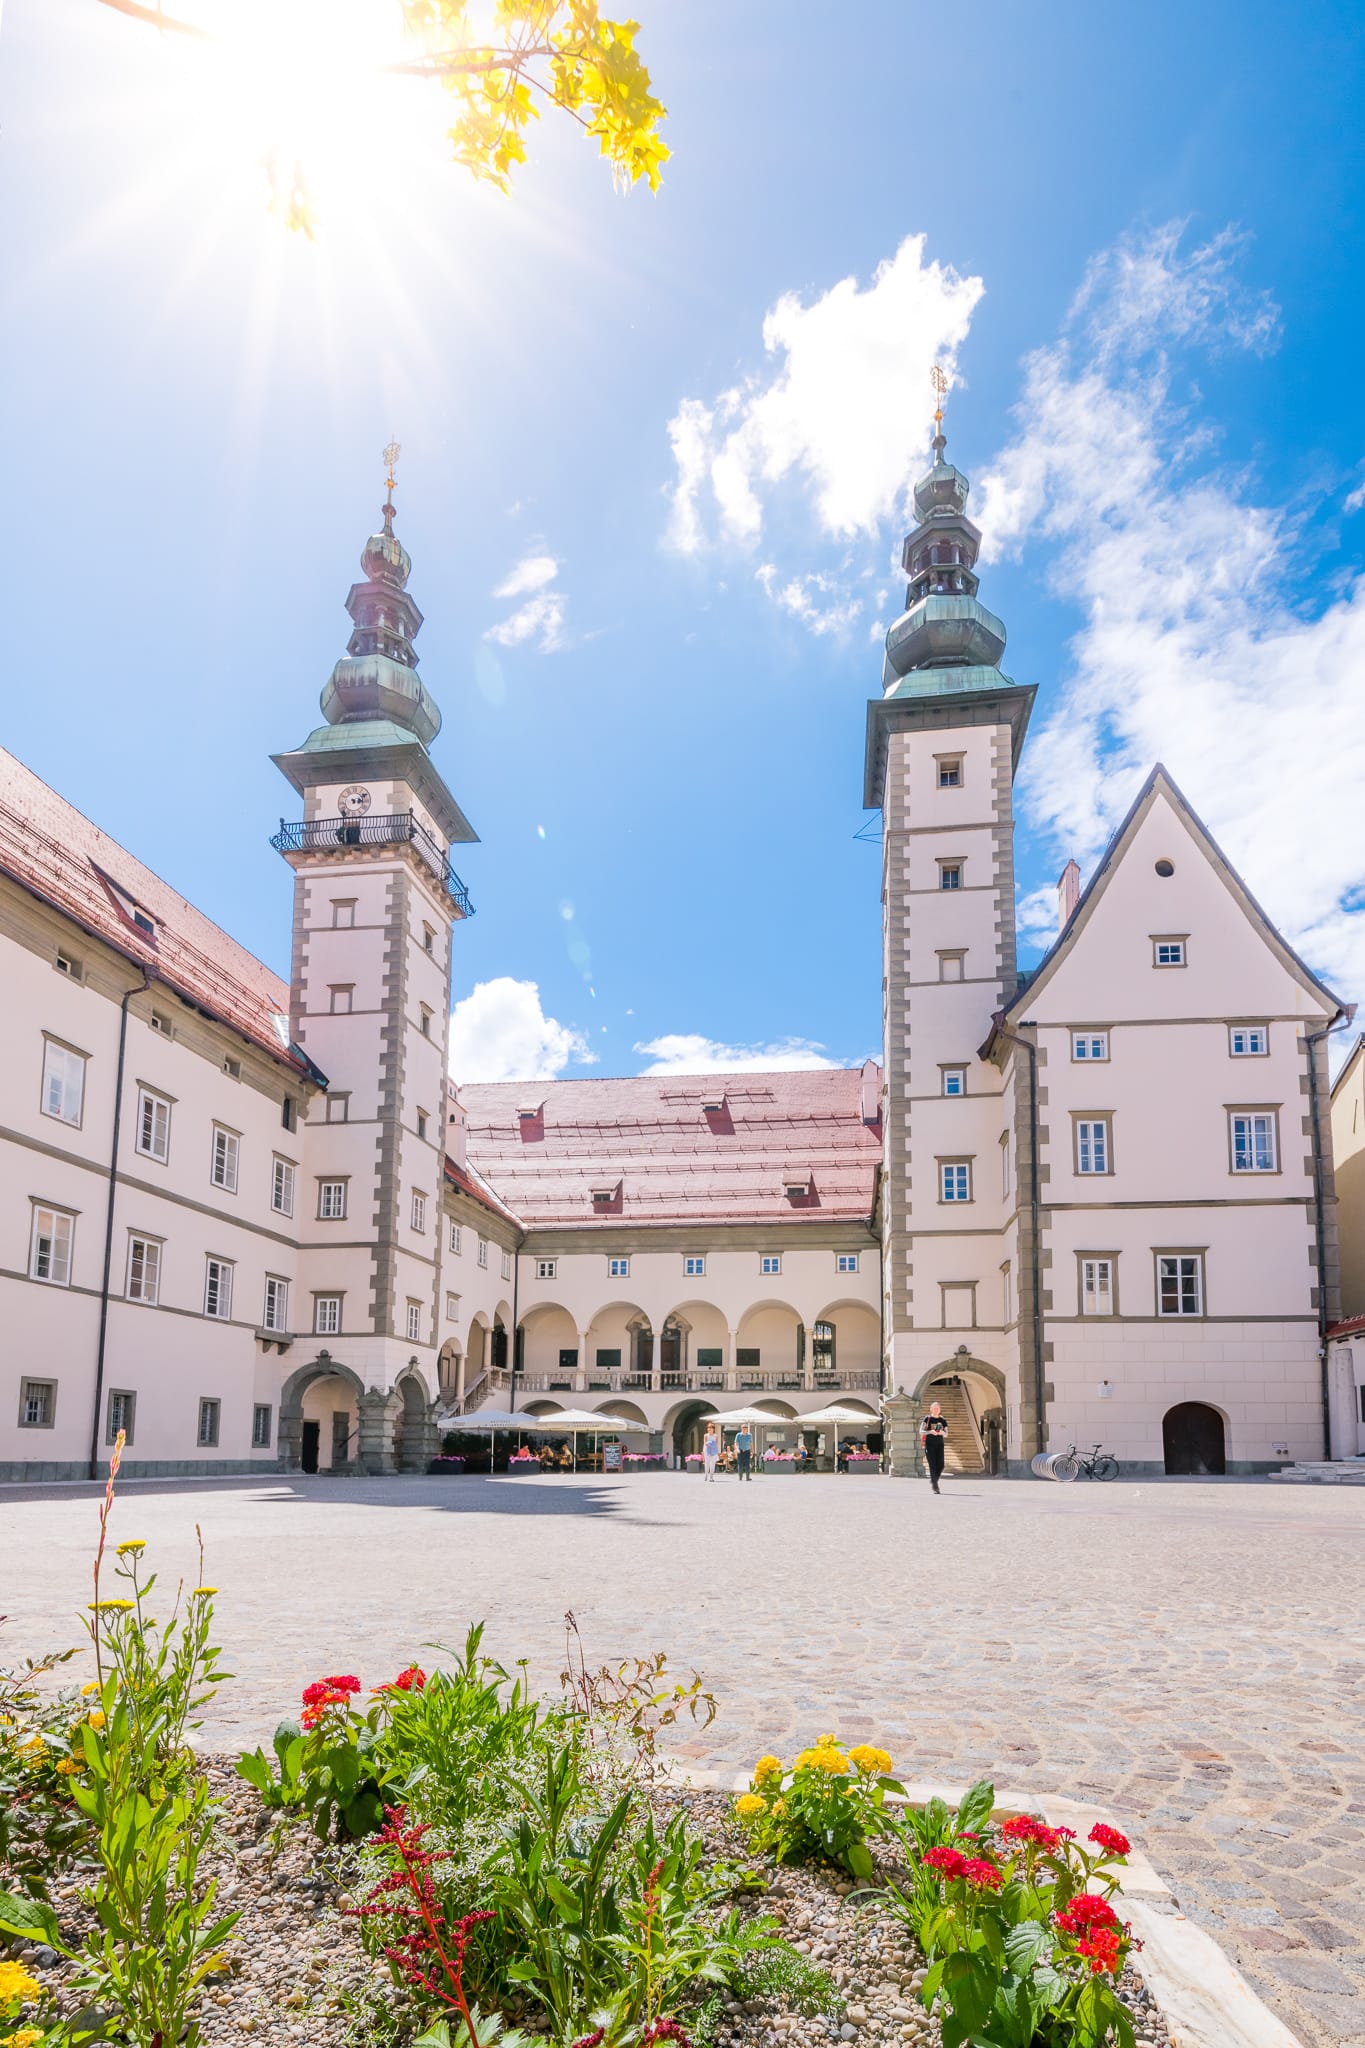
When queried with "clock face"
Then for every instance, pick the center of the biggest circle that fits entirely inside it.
(354, 802)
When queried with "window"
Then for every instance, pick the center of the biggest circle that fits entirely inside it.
(954, 1080)
(338, 1109)
(1093, 1148)
(421, 1123)
(145, 923)
(457, 1240)
(950, 874)
(770, 1262)
(1097, 1287)
(610, 1361)
(1090, 1045)
(618, 1269)
(694, 1266)
(326, 1315)
(710, 1358)
(162, 1023)
(223, 1168)
(218, 1288)
(121, 1414)
(260, 1427)
(63, 1082)
(331, 1200)
(37, 1404)
(343, 913)
(1004, 1163)
(209, 1412)
(70, 966)
(952, 966)
(414, 1324)
(506, 1265)
(1180, 1284)
(1248, 1040)
(276, 1316)
(425, 1021)
(846, 1262)
(282, 1188)
(452, 1308)
(1168, 952)
(144, 1270)
(1253, 1141)
(289, 1113)
(428, 939)
(955, 1180)
(546, 1268)
(950, 771)
(419, 1210)
(232, 1068)
(1007, 1294)
(153, 1125)
(341, 999)
(483, 1251)
(50, 1250)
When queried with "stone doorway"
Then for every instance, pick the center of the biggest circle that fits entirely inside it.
(1194, 1441)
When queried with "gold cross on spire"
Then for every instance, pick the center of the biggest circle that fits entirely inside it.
(938, 378)
(391, 455)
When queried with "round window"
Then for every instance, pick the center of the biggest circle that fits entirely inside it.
(1165, 868)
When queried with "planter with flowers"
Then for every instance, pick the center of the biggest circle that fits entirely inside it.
(451, 1466)
(863, 1461)
(777, 1462)
(644, 1461)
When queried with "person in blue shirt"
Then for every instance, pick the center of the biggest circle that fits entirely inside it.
(744, 1447)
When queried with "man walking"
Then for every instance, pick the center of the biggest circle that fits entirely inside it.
(744, 1448)
(933, 1436)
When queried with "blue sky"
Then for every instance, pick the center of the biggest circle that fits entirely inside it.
(676, 432)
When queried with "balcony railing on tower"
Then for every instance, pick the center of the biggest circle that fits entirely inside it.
(322, 835)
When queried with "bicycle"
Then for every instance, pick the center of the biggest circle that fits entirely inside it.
(1100, 1464)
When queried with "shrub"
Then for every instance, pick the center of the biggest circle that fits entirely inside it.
(825, 1806)
(40, 1824)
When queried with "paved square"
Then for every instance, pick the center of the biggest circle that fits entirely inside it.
(1188, 1654)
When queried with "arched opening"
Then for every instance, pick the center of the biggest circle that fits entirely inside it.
(687, 1427)
(450, 1373)
(1194, 1440)
(848, 1346)
(971, 1394)
(612, 1345)
(414, 1429)
(319, 1427)
(769, 1345)
(699, 1360)
(549, 1347)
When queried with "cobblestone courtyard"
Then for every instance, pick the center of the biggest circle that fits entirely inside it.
(1189, 1654)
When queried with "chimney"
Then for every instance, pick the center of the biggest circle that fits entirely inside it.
(1068, 893)
(871, 1092)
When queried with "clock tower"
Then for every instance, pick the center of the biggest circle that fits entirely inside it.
(375, 903)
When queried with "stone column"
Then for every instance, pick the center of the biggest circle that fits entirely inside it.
(375, 1449)
(808, 1371)
(581, 1376)
(461, 1363)
(731, 1370)
(900, 1435)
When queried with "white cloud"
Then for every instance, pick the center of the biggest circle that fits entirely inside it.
(1191, 648)
(844, 409)
(499, 1032)
(795, 596)
(1355, 500)
(541, 618)
(682, 1052)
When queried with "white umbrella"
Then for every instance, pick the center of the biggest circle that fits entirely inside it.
(731, 1418)
(484, 1418)
(833, 1416)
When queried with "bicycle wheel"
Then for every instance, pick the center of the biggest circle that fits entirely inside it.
(1065, 1467)
(1106, 1467)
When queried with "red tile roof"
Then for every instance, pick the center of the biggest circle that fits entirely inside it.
(675, 1163)
(476, 1187)
(1350, 1326)
(51, 849)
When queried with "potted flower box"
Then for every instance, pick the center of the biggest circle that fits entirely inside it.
(863, 1461)
(644, 1461)
(777, 1462)
(449, 1468)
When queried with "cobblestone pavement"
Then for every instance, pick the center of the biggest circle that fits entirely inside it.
(1188, 1654)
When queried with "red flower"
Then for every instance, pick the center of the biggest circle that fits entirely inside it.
(341, 1683)
(1026, 1827)
(982, 1875)
(1102, 1950)
(1087, 1912)
(410, 1680)
(949, 1863)
(590, 2040)
(1110, 1839)
(665, 2030)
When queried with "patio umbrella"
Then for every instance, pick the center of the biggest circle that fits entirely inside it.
(575, 1422)
(486, 1418)
(831, 1417)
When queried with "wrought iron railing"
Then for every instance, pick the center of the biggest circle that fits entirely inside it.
(319, 835)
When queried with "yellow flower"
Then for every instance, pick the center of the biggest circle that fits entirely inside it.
(767, 1767)
(33, 1752)
(69, 1767)
(25, 2038)
(874, 1761)
(779, 1808)
(823, 1758)
(748, 1804)
(110, 1606)
(95, 1720)
(86, 1690)
(131, 1548)
(16, 1983)
(206, 1590)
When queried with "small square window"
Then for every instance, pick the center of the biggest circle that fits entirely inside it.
(428, 939)
(209, 1413)
(341, 1000)
(343, 913)
(419, 1211)
(260, 1427)
(1090, 1045)
(425, 1021)
(618, 1269)
(63, 1083)
(950, 874)
(144, 1270)
(153, 1125)
(162, 1023)
(456, 1240)
(770, 1262)
(1094, 1149)
(331, 1200)
(546, 1268)
(276, 1312)
(414, 1323)
(694, 1266)
(50, 1246)
(952, 966)
(846, 1262)
(1168, 952)
(452, 1308)
(955, 1180)
(232, 1068)
(954, 1080)
(338, 1109)
(223, 1160)
(69, 965)
(282, 1187)
(218, 1289)
(326, 1315)
(121, 1415)
(37, 1404)
(1248, 1041)
(950, 771)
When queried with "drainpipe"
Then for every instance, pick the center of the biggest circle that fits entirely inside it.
(1313, 1039)
(146, 983)
(1035, 1209)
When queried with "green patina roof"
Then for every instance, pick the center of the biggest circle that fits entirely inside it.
(948, 682)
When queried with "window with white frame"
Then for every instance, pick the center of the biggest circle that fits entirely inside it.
(546, 1268)
(331, 1200)
(1004, 1162)
(483, 1251)
(618, 1269)
(37, 1404)
(49, 1256)
(223, 1165)
(414, 1324)
(218, 1288)
(144, 1269)
(1097, 1286)
(419, 1210)
(950, 874)
(457, 1240)
(452, 1308)
(1248, 1041)
(954, 1081)
(1090, 1045)
(694, 1265)
(955, 1180)
(1253, 1141)
(846, 1262)
(505, 1265)
(63, 1082)
(276, 1315)
(770, 1262)
(209, 1414)
(1168, 952)
(326, 1315)
(120, 1415)
(952, 966)
(1094, 1146)
(949, 771)
(153, 1125)
(282, 1187)
(260, 1427)
(1180, 1284)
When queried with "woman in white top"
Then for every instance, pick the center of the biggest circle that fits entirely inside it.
(710, 1452)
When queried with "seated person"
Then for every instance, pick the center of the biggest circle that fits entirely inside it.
(565, 1458)
(547, 1457)
(800, 1454)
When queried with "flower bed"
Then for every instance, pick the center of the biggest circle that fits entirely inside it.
(644, 1461)
(449, 1465)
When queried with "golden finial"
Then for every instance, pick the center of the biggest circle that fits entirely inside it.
(938, 378)
(391, 455)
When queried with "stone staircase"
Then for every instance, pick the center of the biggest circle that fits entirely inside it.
(1340, 1472)
(963, 1453)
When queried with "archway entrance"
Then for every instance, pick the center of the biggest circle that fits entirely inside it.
(412, 1429)
(1193, 1439)
(319, 1417)
(689, 1427)
(971, 1394)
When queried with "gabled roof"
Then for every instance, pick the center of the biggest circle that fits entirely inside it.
(55, 852)
(1160, 783)
(675, 1164)
(466, 1180)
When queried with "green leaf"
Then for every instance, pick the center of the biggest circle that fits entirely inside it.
(437, 2035)
(858, 1857)
(25, 1916)
(254, 1768)
(976, 1807)
(1026, 1945)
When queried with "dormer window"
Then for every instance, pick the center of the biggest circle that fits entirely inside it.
(528, 1112)
(796, 1183)
(714, 1106)
(603, 1197)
